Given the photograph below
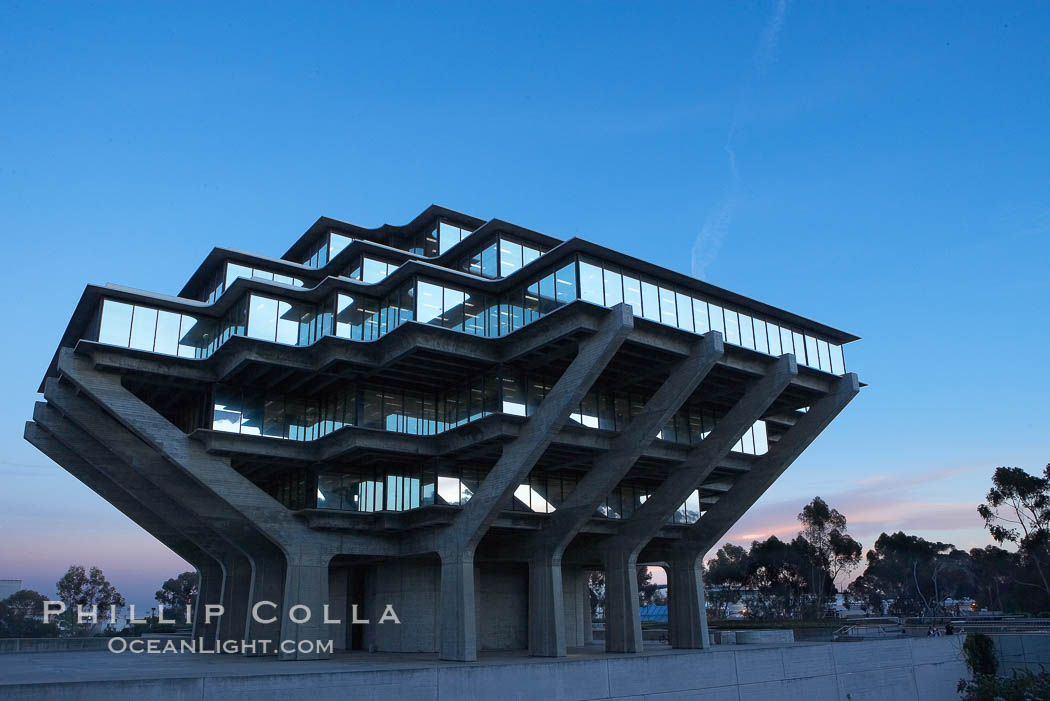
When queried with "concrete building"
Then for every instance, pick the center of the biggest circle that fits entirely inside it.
(457, 418)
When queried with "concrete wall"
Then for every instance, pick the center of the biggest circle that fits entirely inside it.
(900, 670)
(412, 588)
(8, 645)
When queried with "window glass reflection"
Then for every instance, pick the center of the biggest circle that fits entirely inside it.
(115, 325)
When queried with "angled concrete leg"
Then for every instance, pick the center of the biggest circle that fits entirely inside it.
(623, 618)
(546, 606)
(686, 608)
(302, 628)
(459, 630)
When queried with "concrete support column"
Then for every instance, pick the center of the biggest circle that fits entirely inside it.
(546, 606)
(303, 610)
(623, 618)
(209, 592)
(686, 608)
(459, 628)
(236, 593)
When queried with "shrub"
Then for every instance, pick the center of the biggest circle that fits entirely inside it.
(979, 651)
(1022, 686)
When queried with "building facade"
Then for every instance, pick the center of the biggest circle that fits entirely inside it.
(461, 419)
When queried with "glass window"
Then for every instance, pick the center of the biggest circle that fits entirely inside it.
(474, 313)
(235, 270)
(799, 342)
(262, 319)
(287, 323)
(329, 492)
(143, 328)
(591, 285)
(732, 327)
(613, 287)
(453, 309)
(373, 270)
(632, 294)
(226, 413)
(565, 284)
(528, 254)
(429, 303)
(168, 324)
(115, 325)
(761, 438)
(717, 319)
(430, 243)
(547, 300)
(773, 336)
(700, 321)
(448, 490)
(811, 352)
(650, 301)
(760, 336)
(345, 325)
(448, 236)
(838, 364)
(339, 242)
(490, 262)
(509, 257)
(786, 344)
(685, 311)
(668, 313)
(194, 337)
(747, 331)
(823, 355)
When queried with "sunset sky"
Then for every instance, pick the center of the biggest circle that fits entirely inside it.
(878, 167)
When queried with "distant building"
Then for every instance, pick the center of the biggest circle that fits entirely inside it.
(9, 587)
(455, 417)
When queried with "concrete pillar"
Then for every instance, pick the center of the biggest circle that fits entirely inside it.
(236, 594)
(623, 619)
(607, 470)
(546, 606)
(209, 592)
(266, 583)
(459, 628)
(686, 609)
(456, 546)
(305, 596)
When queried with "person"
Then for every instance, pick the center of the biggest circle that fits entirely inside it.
(929, 632)
(948, 629)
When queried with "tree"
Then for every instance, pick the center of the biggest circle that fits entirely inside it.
(178, 593)
(596, 592)
(727, 570)
(1017, 510)
(778, 572)
(87, 588)
(833, 551)
(646, 588)
(20, 616)
(907, 569)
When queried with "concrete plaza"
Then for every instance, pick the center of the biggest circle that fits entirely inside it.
(893, 669)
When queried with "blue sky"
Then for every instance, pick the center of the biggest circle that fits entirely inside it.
(881, 168)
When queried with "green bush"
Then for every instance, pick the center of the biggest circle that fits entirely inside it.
(1022, 686)
(979, 651)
